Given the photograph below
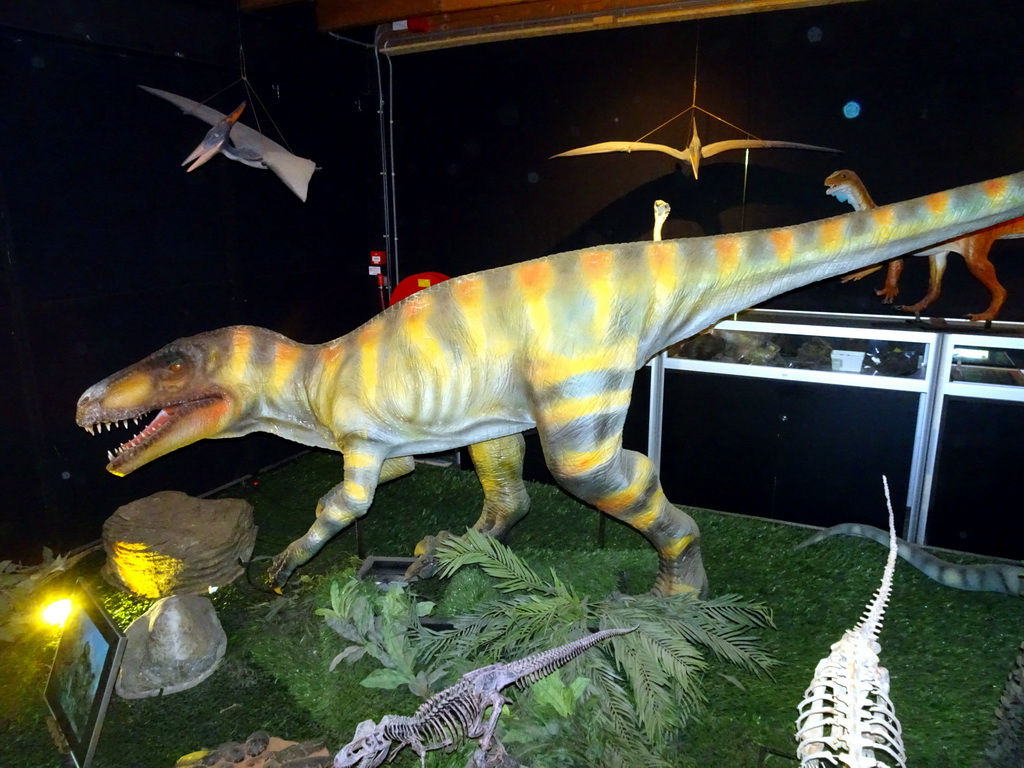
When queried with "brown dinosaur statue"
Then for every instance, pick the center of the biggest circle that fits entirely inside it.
(847, 187)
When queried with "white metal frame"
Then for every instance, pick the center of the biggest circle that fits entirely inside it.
(944, 387)
(932, 386)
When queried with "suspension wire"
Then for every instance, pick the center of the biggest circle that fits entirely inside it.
(696, 58)
(385, 183)
(252, 96)
(251, 92)
(693, 105)
(743, 198)
(391, 149)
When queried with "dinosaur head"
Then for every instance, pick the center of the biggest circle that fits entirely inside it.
(842, 184)
(180, 394)
(368, 748)
(214, 141)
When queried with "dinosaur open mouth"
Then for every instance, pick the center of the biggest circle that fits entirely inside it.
(160, 425)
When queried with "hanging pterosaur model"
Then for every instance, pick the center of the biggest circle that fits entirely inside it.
(694, 151)
(238, 141)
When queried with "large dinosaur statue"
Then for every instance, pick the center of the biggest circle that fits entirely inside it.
(552, 343)
(456, 713)
(847, 187)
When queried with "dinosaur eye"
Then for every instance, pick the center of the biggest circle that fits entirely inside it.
(175, 364)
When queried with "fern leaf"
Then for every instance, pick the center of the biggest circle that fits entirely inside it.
(497, 560)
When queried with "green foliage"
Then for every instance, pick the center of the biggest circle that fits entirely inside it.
(646, 688)
(550, 692)
(380, 623)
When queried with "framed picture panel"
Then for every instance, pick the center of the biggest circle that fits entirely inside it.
(83, 674)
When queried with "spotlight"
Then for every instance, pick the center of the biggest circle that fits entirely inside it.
(851, 109)
(57, 612)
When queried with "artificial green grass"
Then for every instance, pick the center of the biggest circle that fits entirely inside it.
(948, 652)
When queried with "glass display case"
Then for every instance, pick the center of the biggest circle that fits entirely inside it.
(934, 358)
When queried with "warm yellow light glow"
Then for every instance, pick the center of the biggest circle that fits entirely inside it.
(57, 612)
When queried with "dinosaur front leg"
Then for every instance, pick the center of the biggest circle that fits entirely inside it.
(343, 504)
(499, 467)
(891, 289)
(497, 702)
(586, 456)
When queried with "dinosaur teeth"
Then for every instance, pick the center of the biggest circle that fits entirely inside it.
(152, 428)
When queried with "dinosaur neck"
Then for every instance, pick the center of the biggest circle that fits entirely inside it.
(857, 196)
(271, 374)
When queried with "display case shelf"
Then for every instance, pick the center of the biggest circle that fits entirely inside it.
(934, 358)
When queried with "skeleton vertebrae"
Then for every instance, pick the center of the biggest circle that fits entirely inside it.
(846, 717)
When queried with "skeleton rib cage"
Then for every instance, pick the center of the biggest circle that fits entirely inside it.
(846, 718)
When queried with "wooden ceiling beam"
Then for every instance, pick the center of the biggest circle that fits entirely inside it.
(534, 18)
(342, 14)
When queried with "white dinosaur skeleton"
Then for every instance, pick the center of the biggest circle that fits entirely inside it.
(846, 718)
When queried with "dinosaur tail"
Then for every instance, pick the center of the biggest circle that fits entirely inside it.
(538, 665)
(986, 577)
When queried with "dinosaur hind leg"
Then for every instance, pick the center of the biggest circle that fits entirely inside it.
(586, 456)
(936, 269)
(976, 257)
(499, 466)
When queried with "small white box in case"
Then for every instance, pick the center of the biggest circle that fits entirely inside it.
(846, 361)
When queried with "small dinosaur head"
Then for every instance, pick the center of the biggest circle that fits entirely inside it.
(368, 748)
(840, 185)
(190, 384)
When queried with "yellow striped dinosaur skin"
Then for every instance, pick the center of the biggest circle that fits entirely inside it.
(552, 343)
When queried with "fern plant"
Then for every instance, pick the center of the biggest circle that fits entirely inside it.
(626, 701)
(647, 688)
(380, 623)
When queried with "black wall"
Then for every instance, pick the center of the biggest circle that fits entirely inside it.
(942, 105)
(110, 250)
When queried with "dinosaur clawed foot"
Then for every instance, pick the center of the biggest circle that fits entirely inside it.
(981, 317)
(682, 576)
(279, 572)
(426, 564)
(494, 757)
